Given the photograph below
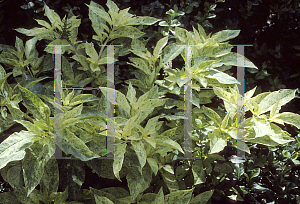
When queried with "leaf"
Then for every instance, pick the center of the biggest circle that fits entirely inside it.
(221, 77)
(131, 93)
(289, 118)
(51, 15)
(13, 148)
(225, 35)
(39, 33)
(102, 200)
(34, 104)
(119, 100)
(137, 184)
(140, 64)
(217, 143)
(212, 115)
(170, 181)
(225, 121)
(34, 162)
(127, 31)
(91, 52)
(19, 45)
(283, 95)
(232, 58)
(159, 46)
(140, 151)
(202, 198)
(150, 126)
(44, 23)
(118, 161)
(30, 50)
(261, 127)
(50, 177)
(82, 98)
(98, 23)
(170, 52)
(181, 196)
(153, 164)
(101, 13)
(198, 172)
(164, 141)
(71, 144)
(142, 20)
(72, 113)
(113, 9)
(30, 127)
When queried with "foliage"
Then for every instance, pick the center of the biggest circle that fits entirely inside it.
(145, 144)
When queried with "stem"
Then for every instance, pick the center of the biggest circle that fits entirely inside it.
(27, 117)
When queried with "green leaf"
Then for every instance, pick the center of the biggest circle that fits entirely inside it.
(198, 172)
(164, 141)
(113, 9)
(182, 196)
(44, 23)
(159, 46)
(140, 64)
(19, 45)
(202, 198)
(82, 98)
(13, 148)
(101, 13)
(137, 184)
(217, 143)
(231, 59)
(39, 33)
(34, 162)
(31, 127)
(153, 164)
(140, 151)
(98, 23)
(50, 177)
(30, 50)
(71, 144)
(212, 115)
(119, 100)
(225, 121)
(225, 35)
(52, 16)
(142, 20)
(289, 118)
(131, 93)
(150, 126)
(34, 104)
(223, 168)
(118, 162)
(90, 51)
(261, 127)
(170, 181)
(72, 113)
(283, 95)
(170, 52)
(221, 77)
(127, 31)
